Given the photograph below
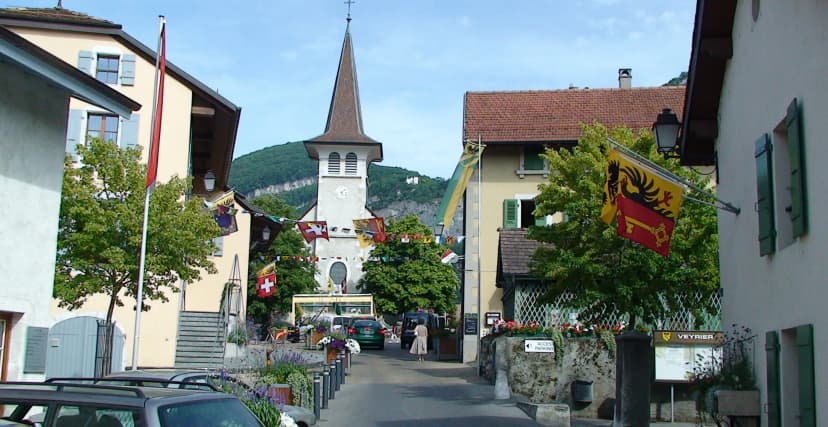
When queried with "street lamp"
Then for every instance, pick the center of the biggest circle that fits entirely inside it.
(266, 233)
(666, 130)
(209, 181)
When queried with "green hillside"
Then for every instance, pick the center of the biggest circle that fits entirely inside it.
(289, 162)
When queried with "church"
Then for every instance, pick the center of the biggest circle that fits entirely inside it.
(344, 153)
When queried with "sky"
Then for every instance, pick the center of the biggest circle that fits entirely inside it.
(277, 59)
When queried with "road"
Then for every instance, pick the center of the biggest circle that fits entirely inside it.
(388, 388)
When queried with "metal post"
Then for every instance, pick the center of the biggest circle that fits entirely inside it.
(316, 395)
(334, 381)
(326, 386)
(339, 372)
(346, 362)
(344, 366)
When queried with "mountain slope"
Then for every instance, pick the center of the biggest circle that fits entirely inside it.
(286, 170)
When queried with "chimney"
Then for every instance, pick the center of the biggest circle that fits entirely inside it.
(625, 78)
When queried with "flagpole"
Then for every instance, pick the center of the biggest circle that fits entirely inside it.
(139, 295)
(671, 176)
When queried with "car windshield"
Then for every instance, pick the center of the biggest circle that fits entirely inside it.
(366, 324)
(207, 413)
(411, 322)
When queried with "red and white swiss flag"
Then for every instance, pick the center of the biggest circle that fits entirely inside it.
(266, 285)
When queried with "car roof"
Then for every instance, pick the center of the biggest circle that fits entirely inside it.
(96, 393)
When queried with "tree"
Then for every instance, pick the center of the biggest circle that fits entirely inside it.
(679, 80)
(404, 276)
(101, 225)
(293, 276)
(605, 271)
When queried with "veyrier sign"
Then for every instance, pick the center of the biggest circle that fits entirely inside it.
(687, 337)
(539, 346)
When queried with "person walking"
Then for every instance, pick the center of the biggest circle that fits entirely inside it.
(420, 345)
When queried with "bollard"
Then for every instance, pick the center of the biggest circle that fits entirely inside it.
(339, 372)
(334, 381)
(326, 386)
(341, 358)
(346, 362)
(316, 395)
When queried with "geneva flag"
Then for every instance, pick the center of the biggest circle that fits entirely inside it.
(645, 203)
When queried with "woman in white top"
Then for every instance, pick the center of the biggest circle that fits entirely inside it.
(420, 344)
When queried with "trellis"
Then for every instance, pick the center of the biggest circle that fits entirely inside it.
(527, 309)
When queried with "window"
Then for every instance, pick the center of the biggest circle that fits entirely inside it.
(218, 242)
(780, 183)
(520, 213)
(106, 68)
(103, 126)
(109, 67)
(350, 164)
(531, 162)
(333, 164)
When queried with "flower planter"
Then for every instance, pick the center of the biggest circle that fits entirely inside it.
(446, 347)
(737, 403)
(280, 394)
(315, 337)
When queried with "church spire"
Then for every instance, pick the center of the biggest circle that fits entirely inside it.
(345, 114)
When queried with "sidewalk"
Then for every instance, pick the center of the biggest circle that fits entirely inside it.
(583, 422)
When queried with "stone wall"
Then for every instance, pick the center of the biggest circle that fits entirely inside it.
(542, 378)
(545, 378)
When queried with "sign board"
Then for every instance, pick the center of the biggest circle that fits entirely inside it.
(470, 326)
(539, 346)
(678, 354)
(492, 317)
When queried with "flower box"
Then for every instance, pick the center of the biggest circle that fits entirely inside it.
(737, 403)
(280, 394)
(446, 347)
(316, 336)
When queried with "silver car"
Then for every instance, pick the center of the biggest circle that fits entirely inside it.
(169, 377)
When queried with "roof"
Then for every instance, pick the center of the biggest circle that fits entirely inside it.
(712, 49)
(344, 124)
(78, 84)
(547, 116)
(515, 251)
(56, 15)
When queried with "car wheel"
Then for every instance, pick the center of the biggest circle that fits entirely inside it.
(382, 346)
(402, 345)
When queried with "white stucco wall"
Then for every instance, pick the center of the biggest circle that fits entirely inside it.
(341, 199)
(32, 129)
(777, 58)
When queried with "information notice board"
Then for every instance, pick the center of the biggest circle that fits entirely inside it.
(678, 354)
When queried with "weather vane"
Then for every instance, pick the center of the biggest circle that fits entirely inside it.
(349, 3)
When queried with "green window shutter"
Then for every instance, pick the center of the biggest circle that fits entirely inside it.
(807, 398)
(74, 136)
(540, 221)
(129, 131)
(772, 378)
(510, 213)
(85, 58)
(128, 70)
(764, 191)
(796, 147)
(531, 158)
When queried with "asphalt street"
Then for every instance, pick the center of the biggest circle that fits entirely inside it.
(388, 388)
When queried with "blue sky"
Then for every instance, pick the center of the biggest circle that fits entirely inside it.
(415, 60)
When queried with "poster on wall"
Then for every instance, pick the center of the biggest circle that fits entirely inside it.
(678, 354)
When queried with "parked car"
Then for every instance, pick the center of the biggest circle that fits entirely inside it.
(66, 404)
(176, 378)
(410, 321)
(368, 333)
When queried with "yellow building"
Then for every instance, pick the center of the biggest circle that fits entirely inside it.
(198, 135)
(515, 127)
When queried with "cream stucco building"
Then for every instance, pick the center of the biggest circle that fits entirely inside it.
(515, 127)
(35, 89)
(198, 135)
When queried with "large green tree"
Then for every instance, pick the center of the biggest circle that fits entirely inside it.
(100, 230)
(606, 271)
(293, 276)
(405, 276)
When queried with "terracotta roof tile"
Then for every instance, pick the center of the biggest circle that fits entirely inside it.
(556, 115)
(55, 15)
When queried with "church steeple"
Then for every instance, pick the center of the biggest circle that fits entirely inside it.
(345, 114)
